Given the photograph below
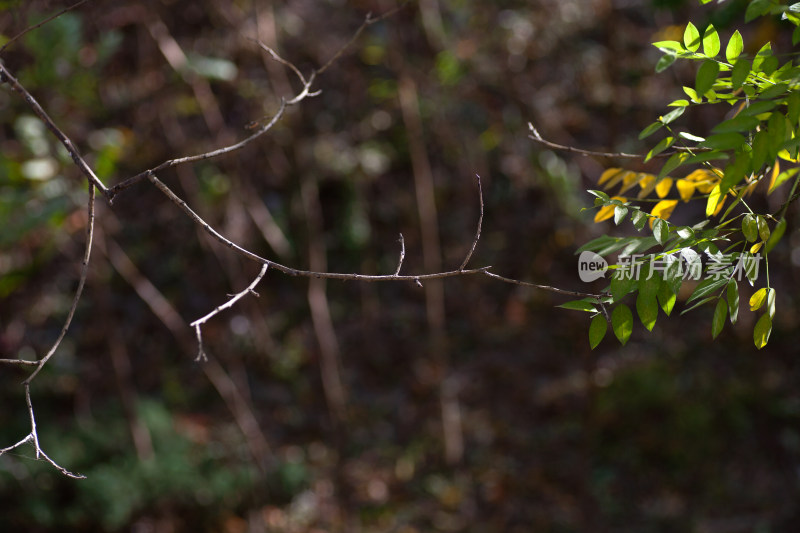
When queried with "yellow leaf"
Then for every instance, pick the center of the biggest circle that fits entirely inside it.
(608, 174)
(757, 299)
(713, 199)
(704, 179)
(616, 178)
(685, 189)
(663, 187)
(784, 154)
(663, 209)
(607, 211)
(750, 188)
(756, 247)
(629, 180)
(719, 206)
(647, 183)
(776, 169)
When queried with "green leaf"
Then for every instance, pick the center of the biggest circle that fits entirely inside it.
(780, 229)
(771, 302)
(597, 330)
(750, 227)
(647, 309)
(755, 9)
(691, 93)
(724, 141)
(619, 214)
(774, 91)
(761, 56)
(639, 219)
(691, 38)
(672, 115)
(665, 62)
(760, 151)
(706, 288)
(710, 41)
(718, 322)
(678, 103)
(691, 137)
(621, 286)
(675, 160)
(762, 331)
(698, 304)
(763, 227)
(665, 143)
(706, 76)
(651, 129)
(741, 69)
(660, 230)
(666, 297)
(622, 323)
(757, 108)
(585, 304)
(733, 300)
(735, 46)
(738, 123)
(669, 46)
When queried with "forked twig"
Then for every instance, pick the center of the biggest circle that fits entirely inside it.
(235, 298)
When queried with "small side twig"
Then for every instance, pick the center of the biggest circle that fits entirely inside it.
(478, 232)
(402, 255)
(42, 23)
(536, 136)
(201, 356)
(33, 437)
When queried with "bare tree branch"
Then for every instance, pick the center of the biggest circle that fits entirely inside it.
(235, 298)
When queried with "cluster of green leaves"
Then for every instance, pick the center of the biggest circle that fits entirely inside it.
(744, 150)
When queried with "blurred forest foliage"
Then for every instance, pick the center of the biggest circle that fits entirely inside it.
(468, 405)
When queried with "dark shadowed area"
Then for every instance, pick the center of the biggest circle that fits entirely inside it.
(456, 404)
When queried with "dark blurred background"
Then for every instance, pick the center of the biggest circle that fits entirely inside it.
(465, 405)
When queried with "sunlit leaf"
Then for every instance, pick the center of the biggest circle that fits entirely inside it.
(762, 331)
(691, 38)
(620, 212)
(735, 46)
(713, 200)
(711, 42)
(758, 298)
(666, 297)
